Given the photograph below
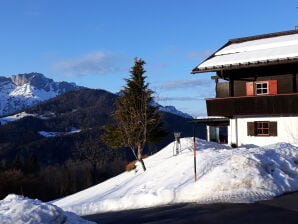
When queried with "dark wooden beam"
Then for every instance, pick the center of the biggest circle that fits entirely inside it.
(294, 83)
(231, 88)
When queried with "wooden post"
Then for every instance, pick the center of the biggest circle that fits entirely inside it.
(231, 87)
(195, 153)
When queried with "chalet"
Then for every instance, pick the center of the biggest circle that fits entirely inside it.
(256, 98)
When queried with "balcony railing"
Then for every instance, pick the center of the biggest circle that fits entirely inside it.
(253, 105)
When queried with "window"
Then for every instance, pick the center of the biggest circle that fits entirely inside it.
(261, 88)
(262, 128)
(268, 87)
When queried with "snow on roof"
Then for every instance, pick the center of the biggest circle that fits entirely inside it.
(245, 51)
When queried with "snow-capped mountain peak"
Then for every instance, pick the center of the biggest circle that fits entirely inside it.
(24, 90)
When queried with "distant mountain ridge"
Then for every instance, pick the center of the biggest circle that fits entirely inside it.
(173, 110)
(24, 90)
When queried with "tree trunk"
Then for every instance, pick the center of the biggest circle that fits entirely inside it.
(93, 173)
(140, 149)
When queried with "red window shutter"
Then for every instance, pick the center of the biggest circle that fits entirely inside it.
(250, 89)
(272, 87)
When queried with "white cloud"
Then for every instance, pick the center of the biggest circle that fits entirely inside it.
(183, 84)
(97, 62)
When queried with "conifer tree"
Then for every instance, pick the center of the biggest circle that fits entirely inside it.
(137, 122)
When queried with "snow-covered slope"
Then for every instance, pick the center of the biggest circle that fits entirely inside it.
(224, 174)
(15, 117)
(172, 110)
(18, 209)
(24, 90)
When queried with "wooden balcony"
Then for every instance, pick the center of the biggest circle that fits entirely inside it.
(286, 104)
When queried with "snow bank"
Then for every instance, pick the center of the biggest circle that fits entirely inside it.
(18, 209)
(224, 174)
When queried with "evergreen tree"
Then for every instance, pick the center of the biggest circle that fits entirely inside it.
(137, 122)
(17, 163)
(31, 164)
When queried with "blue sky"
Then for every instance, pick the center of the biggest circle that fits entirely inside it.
(93, 43)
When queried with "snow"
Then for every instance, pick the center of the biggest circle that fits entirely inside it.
(31, 93)
(224, 174)
(18, 209)
(15, 117)
(55, 134)
(261, 50)
(172, 110)
(24, 90)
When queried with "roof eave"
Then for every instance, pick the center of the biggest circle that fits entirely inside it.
(243, 65)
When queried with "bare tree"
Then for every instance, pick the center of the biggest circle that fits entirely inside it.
(92, 152)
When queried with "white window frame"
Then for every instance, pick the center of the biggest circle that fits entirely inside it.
(262, 89)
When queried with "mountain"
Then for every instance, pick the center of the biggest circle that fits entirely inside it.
(53, 128)
(168, 109)
(40, 147)
(24, 90)
(173, 110)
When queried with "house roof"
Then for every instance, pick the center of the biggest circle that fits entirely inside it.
(268, 49)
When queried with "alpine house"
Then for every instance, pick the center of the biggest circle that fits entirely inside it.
(256, 90)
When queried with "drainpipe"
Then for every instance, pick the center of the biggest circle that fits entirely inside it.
(208, 133)
(236, 130)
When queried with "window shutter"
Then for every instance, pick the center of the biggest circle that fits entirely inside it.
(250, 89)
(272, 86)
(250, 129)
(273, 128)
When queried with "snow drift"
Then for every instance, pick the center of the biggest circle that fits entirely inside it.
(18, 209)
(224, 174)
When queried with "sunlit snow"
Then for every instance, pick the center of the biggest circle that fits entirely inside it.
(18, 209)
(273, 48)
(224, 174)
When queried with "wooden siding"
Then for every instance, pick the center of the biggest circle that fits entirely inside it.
(285, 84)
(222, 89)
(273, 70)
(295, 77)
(253, 105)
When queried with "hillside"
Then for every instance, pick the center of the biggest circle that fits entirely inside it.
(50, 134)
(85, 110)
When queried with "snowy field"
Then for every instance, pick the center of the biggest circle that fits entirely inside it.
(224, 174)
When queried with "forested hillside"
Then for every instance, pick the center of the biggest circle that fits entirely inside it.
(37, 165)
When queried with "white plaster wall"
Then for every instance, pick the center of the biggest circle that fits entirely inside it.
(287, 131)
